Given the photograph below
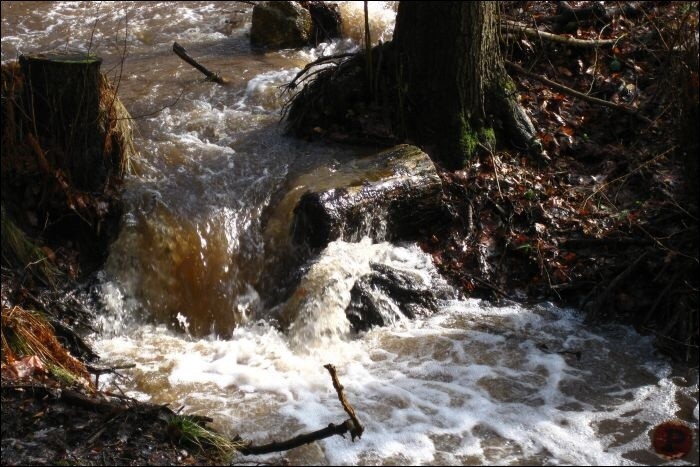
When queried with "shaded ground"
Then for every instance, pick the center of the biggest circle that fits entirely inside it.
(40, 426)
(606, 221)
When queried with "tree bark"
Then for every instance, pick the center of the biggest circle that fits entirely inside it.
(63, 96)
(456, 90)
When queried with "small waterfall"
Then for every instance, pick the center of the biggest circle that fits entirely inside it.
(315, 314)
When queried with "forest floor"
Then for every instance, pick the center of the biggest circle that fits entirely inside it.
(605, 220)
(41, 426)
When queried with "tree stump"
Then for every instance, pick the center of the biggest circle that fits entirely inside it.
(62, 96)
(66, 141)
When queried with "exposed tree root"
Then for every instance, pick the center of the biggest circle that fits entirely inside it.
(515, 27)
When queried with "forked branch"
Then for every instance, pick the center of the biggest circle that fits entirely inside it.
(351, 425)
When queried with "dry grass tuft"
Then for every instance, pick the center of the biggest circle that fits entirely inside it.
(27, 333)
(18, 250)
(118, 129)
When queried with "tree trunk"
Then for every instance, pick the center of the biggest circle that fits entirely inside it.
(455, 91)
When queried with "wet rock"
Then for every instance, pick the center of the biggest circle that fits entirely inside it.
(277, 25)
(390, 196)
(327, 20)
(384, 295)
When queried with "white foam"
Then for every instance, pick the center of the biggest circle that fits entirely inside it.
(470, 384)
(382, 16)
(324, 293)
(263, 91)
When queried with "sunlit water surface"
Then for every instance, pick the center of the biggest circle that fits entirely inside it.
(473, 384)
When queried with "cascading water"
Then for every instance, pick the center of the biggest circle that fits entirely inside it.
(215, 185)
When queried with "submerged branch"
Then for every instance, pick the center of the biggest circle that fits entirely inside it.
(300, 440)
(182, 53)
(352, 426)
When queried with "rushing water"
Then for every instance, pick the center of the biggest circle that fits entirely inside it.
(206, 217)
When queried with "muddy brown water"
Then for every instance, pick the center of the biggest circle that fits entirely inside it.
(215, 181)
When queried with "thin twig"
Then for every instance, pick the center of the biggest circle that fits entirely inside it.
(121, 64)
(580, 95)
(352, 426)
(640, 166)
(600, 300)
(155, 112)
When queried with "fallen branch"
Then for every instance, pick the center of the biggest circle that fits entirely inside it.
(300, 440)
(182, 53)
(489, 285)
(568, 14)
(352, 426)
(513, 26)
(658, 300)
(580, 95)
(596, 12)
(615, 242)
(93, 404)
(544, 348)
(97, 371)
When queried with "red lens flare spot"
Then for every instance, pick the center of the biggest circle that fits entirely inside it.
(672, 439)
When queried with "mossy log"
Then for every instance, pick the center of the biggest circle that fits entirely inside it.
(399, 193)
(390, 195)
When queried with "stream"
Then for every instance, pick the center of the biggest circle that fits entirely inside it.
(186, 288)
